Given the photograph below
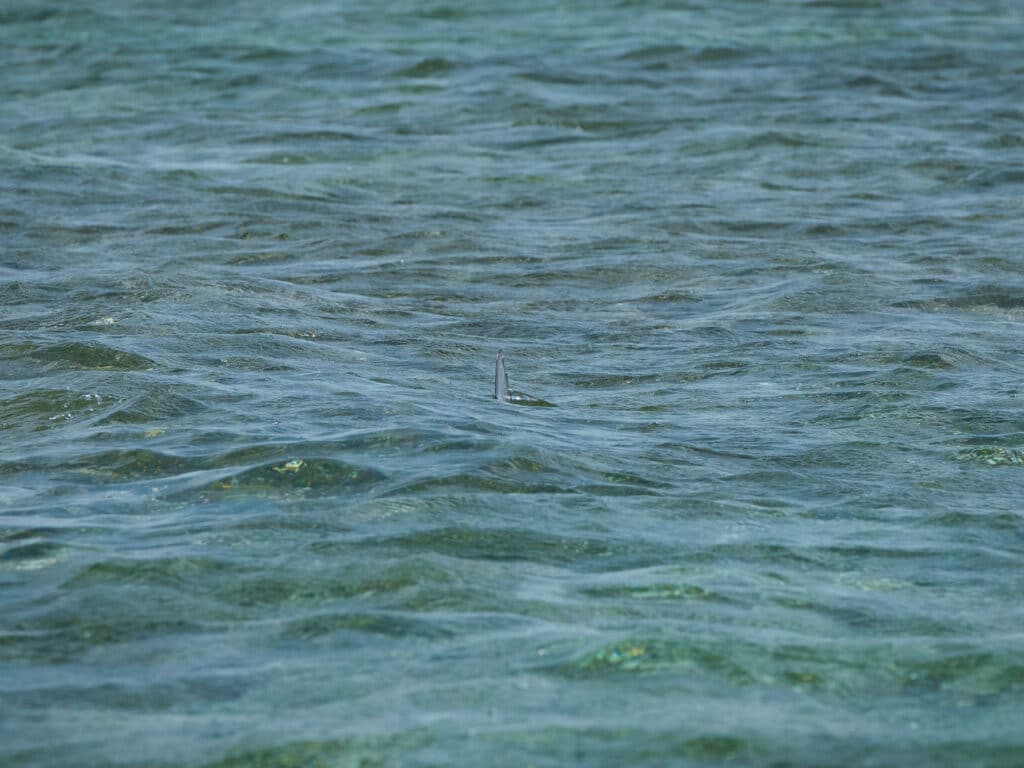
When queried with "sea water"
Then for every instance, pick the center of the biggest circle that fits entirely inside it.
(258, 506)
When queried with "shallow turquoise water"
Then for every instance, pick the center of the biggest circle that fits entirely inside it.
(257, 506)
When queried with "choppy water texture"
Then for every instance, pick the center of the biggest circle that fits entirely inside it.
(259, 508)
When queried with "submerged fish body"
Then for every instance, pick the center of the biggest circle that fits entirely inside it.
(503, 393)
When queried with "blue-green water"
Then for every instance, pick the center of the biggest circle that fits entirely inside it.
(257, 506)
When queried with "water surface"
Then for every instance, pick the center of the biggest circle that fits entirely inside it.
(258, 506)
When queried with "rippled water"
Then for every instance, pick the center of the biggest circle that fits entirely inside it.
(258, 507)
